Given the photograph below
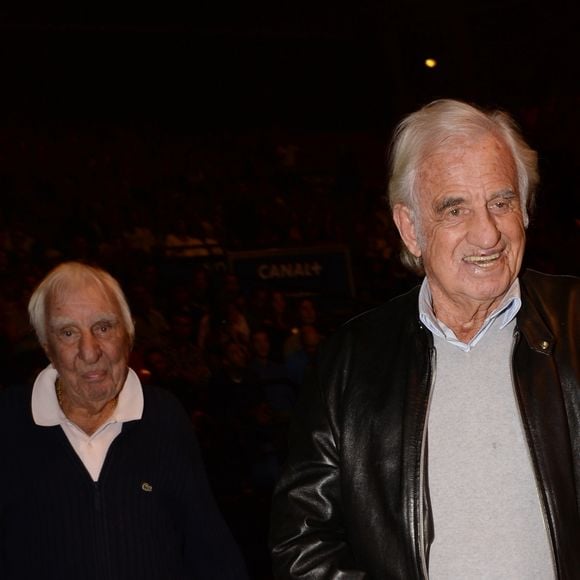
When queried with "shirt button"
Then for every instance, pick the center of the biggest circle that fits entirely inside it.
(544, 345)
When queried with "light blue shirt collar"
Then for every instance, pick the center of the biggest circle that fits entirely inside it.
(504, 314)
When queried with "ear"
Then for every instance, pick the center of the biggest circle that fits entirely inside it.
(405, 222)
(46, 350)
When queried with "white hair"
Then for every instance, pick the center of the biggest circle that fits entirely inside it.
(72, 275)
(421, 132)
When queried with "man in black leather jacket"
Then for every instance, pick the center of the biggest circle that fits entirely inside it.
(439, 434)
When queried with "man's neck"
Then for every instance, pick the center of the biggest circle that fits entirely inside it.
(88, 419)
(465, 325)
(464, 317)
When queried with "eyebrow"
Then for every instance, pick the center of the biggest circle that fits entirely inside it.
(506, 194)
(448, 202)
(61, 322)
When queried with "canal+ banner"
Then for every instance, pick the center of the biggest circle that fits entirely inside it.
(319, 270)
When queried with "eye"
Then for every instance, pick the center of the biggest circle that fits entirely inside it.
(454, 212)
(102, 328)
(67, 334)
(501, 205)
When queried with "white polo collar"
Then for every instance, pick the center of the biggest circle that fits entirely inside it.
(46, 411)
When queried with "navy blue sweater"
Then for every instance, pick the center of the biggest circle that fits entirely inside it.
(151, 515)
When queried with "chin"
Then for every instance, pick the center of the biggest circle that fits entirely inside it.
(102, 389)
(492, 290)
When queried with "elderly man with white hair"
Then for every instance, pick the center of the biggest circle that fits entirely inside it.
(101, 477)
(439, 435)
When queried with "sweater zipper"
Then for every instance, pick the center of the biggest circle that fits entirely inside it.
(101, 547)
(422, 539)
(539, 484)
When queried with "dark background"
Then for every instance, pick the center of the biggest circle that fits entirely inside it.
(290, 69)
(314, 64)
(189, 112)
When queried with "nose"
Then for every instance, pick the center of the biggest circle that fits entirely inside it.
(483, 230)
(89, 348)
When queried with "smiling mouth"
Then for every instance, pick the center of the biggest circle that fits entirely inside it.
(483, 261)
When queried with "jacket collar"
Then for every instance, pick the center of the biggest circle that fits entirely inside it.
(531, 324)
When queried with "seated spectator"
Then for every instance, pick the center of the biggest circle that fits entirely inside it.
(243, 442)
(258, 307)
(179, 298)
(274, 377)
(306, 314)
(278, 324)
(21, 356)
(181, 243)
(225, 324)
(138, 234)
(200, 290)
(210, 240)
(188, 371)
(298, 361)
(152, 327)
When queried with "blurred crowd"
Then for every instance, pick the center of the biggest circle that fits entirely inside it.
(235, 357)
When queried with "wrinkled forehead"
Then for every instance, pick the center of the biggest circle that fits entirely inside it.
(460, 143)
(487, 151)
(82, 291)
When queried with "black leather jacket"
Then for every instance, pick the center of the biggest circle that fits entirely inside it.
(353, 501)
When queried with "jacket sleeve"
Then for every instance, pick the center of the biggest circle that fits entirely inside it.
(308, 537)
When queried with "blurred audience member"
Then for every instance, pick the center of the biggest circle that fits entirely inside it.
(276, 383)
(306, 314)
(300, 360)
(188, 370)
